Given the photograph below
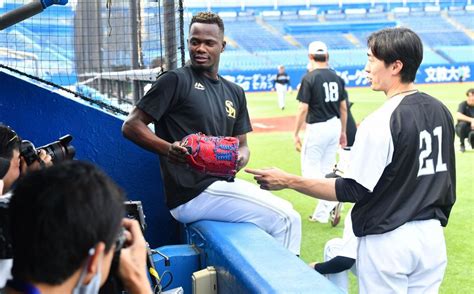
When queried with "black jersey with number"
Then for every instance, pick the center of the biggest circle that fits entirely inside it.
(322, 90)
(404, 156)
(183, 102)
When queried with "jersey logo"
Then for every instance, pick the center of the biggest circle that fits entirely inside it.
(229, 107)
(199, 86)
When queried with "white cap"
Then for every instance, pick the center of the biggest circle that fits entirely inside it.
(317, 47)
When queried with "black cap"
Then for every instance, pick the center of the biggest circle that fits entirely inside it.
(4, 166)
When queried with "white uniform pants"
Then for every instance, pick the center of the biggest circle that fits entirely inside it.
(281, 92)
(332, 249)
(318, 157)
(242, 201)
(409, 259)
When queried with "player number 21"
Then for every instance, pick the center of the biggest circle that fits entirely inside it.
(332, 91)
(426, 163)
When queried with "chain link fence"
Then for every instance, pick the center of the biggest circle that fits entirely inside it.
(107, 51)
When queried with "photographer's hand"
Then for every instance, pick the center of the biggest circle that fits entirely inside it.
(44, 160)
(132, 268)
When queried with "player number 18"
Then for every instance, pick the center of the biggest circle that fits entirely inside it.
(426, 163)
(332, 91)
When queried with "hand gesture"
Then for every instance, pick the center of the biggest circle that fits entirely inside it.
(44, 160)
(132, 266)
(269, 178)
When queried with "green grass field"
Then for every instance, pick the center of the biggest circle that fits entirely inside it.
(276, 149)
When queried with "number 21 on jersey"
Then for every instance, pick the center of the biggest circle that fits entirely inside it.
(426, 158)
(331, 90)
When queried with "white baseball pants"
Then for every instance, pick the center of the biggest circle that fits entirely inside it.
(332, 249)
(281, 93)
(409, 259)
(318, 157)
(241, 201)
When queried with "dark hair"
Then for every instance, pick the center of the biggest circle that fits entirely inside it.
(209, 18)
(394, 44)
(470, 91)
(57, 215)
(319, 57)
(9, 141)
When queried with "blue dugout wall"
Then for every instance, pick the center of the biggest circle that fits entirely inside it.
(42, 116)
(262, 80)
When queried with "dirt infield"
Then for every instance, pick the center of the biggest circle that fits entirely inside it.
(274, 124)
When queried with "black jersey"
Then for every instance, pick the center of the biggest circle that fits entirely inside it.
(322, 90)
(183, 102)
(282, 78)
(404, 156)
(465, 109)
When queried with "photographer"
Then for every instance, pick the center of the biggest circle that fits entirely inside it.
(10, 149)
(67, 222)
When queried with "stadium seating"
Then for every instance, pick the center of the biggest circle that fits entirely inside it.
(263, 38)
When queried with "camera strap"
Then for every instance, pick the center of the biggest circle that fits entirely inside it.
(23, 287)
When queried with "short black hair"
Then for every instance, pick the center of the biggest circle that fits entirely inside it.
(394, 44)
(320, 57)
(209, 18)
(9, 141)
(470, 91)
(57, 215)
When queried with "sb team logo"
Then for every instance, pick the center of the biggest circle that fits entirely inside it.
(229, 108)
(199, 86)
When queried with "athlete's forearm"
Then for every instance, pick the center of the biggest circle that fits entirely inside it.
(300, 117)
(140, 134)
(317, 188)
(343, 111)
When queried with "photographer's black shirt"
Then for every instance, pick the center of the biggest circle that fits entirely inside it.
(183, 102)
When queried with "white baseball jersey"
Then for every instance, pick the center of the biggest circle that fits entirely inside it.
(404, 156)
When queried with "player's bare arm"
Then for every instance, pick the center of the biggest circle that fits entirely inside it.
(277, 179)
(244, 152)
(343, 112)
(135, 128)
(300, 118)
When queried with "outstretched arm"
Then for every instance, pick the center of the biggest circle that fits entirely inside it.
(276, 179)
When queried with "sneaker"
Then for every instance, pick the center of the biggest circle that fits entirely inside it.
(462, 149)
(335, 214)
(313, 220)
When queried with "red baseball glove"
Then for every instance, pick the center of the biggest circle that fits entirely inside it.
(216, 156)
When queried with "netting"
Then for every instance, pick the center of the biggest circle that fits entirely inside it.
(105, 50)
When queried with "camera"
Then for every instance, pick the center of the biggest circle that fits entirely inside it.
(59, 150)
(113, 283)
